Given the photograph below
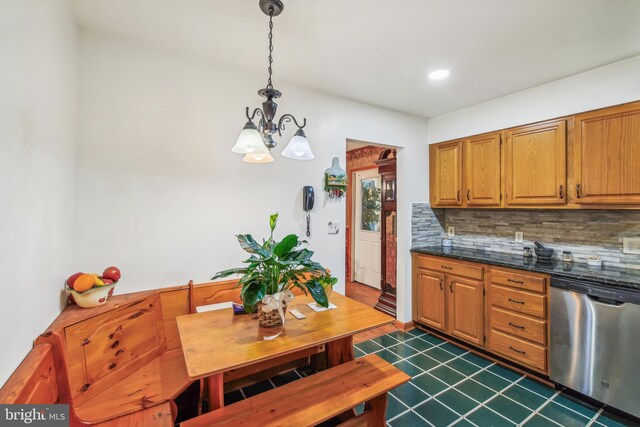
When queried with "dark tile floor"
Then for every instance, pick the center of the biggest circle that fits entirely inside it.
(451, 386)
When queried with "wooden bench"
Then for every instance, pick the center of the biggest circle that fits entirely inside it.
(35, 382)
(316, 398)
(112, 361)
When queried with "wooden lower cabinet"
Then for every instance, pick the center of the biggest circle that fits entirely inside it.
(448, 302)
(501, 310)
(429, 294)
(466, 305)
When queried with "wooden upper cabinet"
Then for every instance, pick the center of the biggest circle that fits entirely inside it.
(430, 298)
(482, 170)
(535, 162)
(466, 309)
(607, 156)
(445, 165)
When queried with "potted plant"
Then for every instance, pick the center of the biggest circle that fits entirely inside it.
(272, 270)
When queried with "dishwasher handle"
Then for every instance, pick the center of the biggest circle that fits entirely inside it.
(597, 291)
(606, 301)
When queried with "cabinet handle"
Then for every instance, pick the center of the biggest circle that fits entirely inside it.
(520, 282)
(516, 301)
(451, 286)
(517, 351)
(446, 268)
(458, 195)
(578, 188)
(441, 288)
(516, 326)
(561, 191)
(468, 191)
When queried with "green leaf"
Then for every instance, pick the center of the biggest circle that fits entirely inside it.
(227, 273)
(248, 243)
(314, 266)
(273, 219)
(317, 292)
(285, 246)
(251, 294)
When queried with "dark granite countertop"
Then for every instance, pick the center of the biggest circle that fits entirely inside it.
(620, 277)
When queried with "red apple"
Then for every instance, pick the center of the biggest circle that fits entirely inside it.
(71, 280)
(107, 281)
(112, 273)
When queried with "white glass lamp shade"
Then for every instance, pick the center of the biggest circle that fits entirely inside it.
(249, 140)
(258, 157)
(298, 148)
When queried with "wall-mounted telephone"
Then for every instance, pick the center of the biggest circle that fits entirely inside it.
(308, 197)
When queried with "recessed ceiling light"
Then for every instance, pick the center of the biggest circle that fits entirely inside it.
(438, 74)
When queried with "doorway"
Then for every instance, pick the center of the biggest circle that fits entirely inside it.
(365, 270)
(366, 231)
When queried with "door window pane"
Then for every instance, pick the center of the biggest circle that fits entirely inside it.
(370, 205)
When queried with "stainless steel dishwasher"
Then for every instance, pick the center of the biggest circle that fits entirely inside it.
(595, 341)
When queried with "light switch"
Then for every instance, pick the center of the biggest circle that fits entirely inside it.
(333, 227)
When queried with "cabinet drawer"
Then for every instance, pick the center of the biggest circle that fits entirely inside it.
(519, 301)
(515, 324)
(450, 267)
(528, 354)
(519, 280)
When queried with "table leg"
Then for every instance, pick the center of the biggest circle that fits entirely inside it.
(215, 387)
(338, 352)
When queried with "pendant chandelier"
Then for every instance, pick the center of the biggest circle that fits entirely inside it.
(255, 142)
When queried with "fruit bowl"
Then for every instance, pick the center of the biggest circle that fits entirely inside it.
(94, 297)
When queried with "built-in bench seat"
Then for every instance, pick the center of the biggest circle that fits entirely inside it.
(161, 415)
(316, 398)
(159, 381)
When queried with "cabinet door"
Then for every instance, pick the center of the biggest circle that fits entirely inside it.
(466, 309)
(445, 165)
(430, 295)
(607, 155)
(482, 169)
(535, 162)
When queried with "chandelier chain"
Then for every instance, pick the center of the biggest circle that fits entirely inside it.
(269, 84)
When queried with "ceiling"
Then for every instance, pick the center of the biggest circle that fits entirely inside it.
(379, 52)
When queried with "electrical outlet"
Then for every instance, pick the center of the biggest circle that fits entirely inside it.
(451, 231)
(631, 245)
(519, 237)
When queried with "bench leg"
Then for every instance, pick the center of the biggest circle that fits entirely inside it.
(373, 415)
(378, 407)
(338, 352)
(215, 387)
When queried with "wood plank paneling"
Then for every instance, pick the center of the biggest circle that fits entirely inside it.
(104, 349)
(174, 303)
(35, 379)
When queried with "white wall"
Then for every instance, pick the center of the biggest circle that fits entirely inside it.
(38, 51)
(616, 83)
(160, 194)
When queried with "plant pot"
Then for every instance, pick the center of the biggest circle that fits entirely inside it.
(272, 318)
(93, 297)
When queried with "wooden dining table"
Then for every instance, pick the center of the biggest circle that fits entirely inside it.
(216, 342)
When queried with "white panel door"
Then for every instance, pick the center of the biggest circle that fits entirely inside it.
(366, 214)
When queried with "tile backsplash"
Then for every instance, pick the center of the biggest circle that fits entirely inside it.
(584, 232)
